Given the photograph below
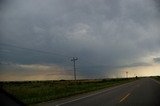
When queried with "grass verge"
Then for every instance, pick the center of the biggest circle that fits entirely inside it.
(156, 77)
(31, 92)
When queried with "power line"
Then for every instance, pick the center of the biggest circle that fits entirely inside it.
(15, 52)
(35, 50)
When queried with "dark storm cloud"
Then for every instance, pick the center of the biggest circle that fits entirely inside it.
(157, 3)
(156, 60)
(135, 65)
(104, 34)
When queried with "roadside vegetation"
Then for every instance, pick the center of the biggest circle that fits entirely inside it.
(156, 77)
(31, 92)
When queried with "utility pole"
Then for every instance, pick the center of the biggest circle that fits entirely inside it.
(126, 74)
(74, 66)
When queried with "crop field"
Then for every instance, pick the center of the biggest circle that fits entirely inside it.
(32, 92)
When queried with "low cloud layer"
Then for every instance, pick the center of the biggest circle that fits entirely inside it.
(156, 60)
(106, 35)
(34, 72)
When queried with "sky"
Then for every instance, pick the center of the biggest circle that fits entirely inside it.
(38, 39)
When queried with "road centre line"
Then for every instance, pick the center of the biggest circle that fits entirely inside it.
(92, 94)
(124, 97)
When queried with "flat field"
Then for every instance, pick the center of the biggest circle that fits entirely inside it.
(32, 92)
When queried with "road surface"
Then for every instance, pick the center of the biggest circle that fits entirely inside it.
(143, 92)
(9, 100)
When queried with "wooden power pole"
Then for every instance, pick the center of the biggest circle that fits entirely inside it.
(74, 66)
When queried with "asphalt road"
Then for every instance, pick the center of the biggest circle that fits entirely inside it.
(9, 100)
(143, 92)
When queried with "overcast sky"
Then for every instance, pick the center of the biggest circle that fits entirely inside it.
(109, 37)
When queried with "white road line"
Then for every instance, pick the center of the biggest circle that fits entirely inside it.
(155, 81)
(92, 94)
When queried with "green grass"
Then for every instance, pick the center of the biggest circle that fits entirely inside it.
(156, 77)
(31, 92)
